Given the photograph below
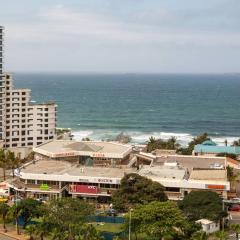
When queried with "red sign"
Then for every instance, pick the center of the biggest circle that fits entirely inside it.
(83, 189)
(220, 187)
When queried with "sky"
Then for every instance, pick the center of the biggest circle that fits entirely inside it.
(121, 36)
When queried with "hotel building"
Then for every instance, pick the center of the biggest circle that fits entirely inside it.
(2, 89)
(23, 124)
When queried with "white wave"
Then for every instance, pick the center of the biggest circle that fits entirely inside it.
(79, 135)
(221, 140)
(142, 137)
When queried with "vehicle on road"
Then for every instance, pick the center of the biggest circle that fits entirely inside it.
(235, 208)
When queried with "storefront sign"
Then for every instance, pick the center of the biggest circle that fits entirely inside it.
(105, 180)
(217, 187)
(84, 189)
(44, 187)
(98, 155)
(66, 154)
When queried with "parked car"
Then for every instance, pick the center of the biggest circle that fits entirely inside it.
(234, 207)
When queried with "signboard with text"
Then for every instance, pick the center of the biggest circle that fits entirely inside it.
(84, 189)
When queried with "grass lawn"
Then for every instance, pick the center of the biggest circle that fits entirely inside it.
(109, 227)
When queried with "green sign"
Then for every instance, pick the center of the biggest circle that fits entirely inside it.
(44, 187)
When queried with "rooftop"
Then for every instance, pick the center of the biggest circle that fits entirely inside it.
(61, 146)
(208, 174)
(53, 167)
(191, 162)
(201, 148)
(162, 172)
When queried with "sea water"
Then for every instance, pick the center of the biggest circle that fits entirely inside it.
(100, 106)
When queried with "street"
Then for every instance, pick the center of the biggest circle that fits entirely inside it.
(4, 237)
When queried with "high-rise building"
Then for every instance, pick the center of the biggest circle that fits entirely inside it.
(23, 124)
(2, 88)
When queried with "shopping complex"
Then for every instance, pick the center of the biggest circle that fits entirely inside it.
(95, 169)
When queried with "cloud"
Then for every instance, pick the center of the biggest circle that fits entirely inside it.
(60, 23)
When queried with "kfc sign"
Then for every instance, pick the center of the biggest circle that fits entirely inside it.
(84, 189)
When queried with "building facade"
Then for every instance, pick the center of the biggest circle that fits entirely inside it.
(26, 124)
(22, 124)
(2, 89)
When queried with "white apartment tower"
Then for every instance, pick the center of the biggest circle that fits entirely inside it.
(2, 89)
(23, 124)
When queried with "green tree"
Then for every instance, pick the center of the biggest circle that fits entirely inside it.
(221, 235)
(135, 189)
(236, 143)
(16, 213)
(197, 140)
(230, 155)
(232, 177)
(29, 208)
(202, 204)
(12, 160)
(67, 215)
(3, 162)
(31, 230)
(4, 210)
(236, 229)
(154, 144)
(200, 235)
(43, 229)
(158, 220)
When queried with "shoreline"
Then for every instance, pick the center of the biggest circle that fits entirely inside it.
(143, 137)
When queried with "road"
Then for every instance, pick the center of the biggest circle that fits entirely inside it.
(234, 217)
(4, 237)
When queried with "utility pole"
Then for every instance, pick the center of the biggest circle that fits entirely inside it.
(129, 228)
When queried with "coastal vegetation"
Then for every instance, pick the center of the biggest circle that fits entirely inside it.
(8, 160)
(202, 204)
(123, 138)
(154, 218)
(170, 144)
(135, 189)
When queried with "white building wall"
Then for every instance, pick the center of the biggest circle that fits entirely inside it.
(27, 124)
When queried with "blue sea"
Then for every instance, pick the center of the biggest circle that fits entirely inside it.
(101, 106)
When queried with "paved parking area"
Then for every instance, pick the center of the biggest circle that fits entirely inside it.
(4, 237)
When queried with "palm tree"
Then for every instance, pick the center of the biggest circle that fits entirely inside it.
(16, 211)
(236, 143)
(3, 162)
(232, 178)
(43, 229)
(221, 235)
(200, 235)
(4, 209)
(13, 161)
(31, 230)
(236, 229)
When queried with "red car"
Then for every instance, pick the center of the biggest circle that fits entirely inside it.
(235, 208)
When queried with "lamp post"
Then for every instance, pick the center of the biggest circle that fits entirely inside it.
(129, 228)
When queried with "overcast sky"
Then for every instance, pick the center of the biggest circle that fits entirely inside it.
(168, 36)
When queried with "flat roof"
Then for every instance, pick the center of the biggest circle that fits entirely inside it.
(191, 162)
(82, 147)
(208, 174)
(201, 148)
(64, 168)
(162, 172)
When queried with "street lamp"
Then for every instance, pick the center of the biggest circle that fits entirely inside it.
(129, 228)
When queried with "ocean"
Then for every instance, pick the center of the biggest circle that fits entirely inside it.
(100, 106)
